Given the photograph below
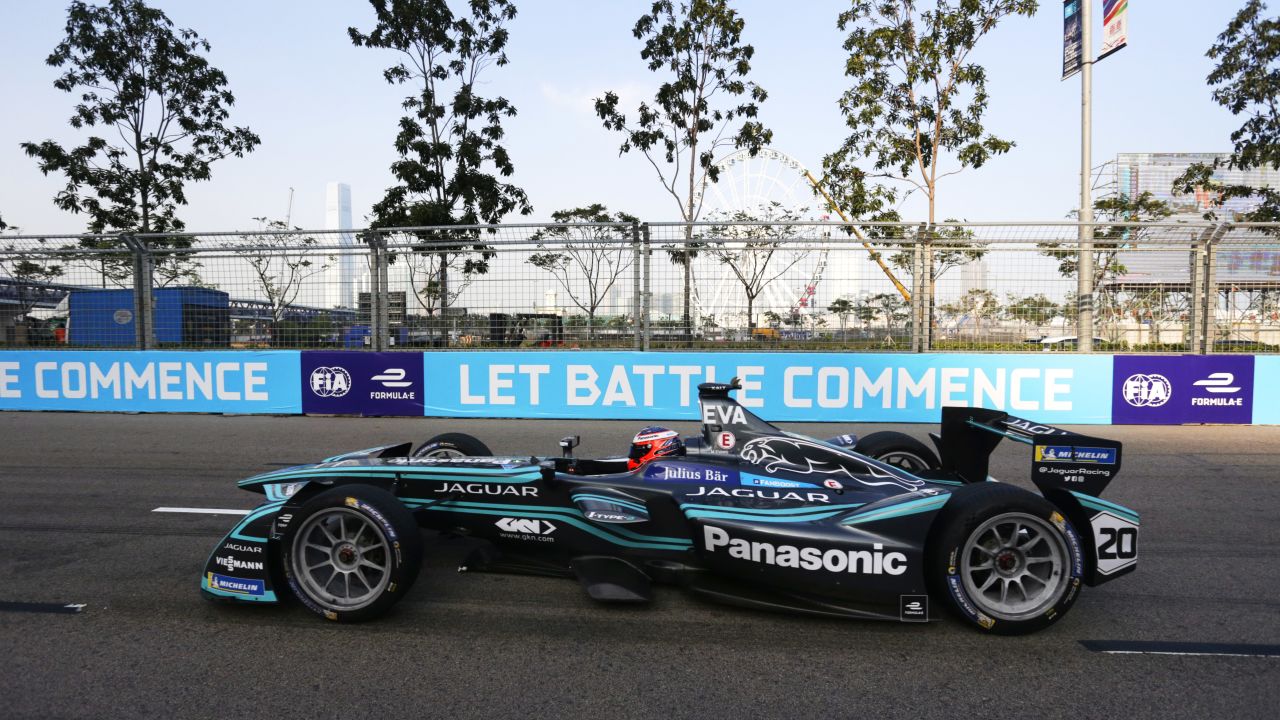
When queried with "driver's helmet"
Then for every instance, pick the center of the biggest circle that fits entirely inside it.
(653, 442)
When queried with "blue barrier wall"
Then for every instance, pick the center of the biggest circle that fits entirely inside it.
(1055, 388)
(155, 381)
(843, 387)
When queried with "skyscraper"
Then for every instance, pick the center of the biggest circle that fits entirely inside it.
(342, 277)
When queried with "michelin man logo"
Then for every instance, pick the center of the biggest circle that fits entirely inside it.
(1142, 390)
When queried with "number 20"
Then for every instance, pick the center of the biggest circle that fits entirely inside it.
(1120, 543)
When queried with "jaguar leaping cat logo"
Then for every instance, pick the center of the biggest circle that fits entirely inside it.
(808, 458)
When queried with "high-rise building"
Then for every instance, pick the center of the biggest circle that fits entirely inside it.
(344, 276)
(1136, 173)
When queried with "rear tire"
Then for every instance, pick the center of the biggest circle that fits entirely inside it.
(351, 553)
(451, 445)
(899, 450)
(1003, 560)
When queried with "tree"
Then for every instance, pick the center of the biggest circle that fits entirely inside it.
(705, 105)
(1033, 310)
(841, 308)
(756, 254)
(917, 100)
(282, 260)
(916, 103)
(586, 260)
(163, 110)
(891, 307)
(451, 160)
(1246, 81)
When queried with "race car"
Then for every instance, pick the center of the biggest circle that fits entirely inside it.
(745, 513)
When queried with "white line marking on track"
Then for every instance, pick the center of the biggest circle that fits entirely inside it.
(1189, 654)
(202, 511)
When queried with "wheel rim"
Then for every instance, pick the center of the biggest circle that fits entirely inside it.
(443, 453)
(342, 559)
(904, 460)
(1013, 566)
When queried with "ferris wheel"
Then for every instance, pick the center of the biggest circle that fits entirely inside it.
(747, 184)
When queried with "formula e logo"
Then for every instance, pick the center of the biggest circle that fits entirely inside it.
(1219, 382)
(526, 526)
(392, 378)
(330, 382)
(1141, 390)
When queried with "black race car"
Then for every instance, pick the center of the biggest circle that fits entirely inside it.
(748, 514)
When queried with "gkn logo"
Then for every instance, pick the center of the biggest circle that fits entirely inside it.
(526, 526)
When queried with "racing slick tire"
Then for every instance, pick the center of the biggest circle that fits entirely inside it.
(451, 445)
(1004, 560)
(899, 450)
(351, 552)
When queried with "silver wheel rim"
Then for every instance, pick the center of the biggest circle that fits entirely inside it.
(342, 559)
(904, 460)
(1014, 566)
(444, 453)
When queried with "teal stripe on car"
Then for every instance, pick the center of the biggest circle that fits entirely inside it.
(713, 515)
(606, 498)
(525, 475)
(910, 507)
(772, 511)
(260, 511)
(1096, 503)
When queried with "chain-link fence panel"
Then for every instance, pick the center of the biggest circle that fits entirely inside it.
(730, 285)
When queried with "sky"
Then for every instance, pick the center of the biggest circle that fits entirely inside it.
(324, 112)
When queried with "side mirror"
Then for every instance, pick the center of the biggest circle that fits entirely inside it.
(568, 444)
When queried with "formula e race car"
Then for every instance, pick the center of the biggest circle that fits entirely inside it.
(747, 514)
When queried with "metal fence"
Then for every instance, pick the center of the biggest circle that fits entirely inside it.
(1157, 287)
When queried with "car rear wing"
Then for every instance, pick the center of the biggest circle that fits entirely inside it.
(1060, 459)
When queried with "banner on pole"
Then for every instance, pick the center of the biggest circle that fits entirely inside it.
(1072, 38)
(1115, 26)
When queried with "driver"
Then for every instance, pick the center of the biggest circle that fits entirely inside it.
(653, 442)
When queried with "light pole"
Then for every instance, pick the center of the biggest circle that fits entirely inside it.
(1084, 265)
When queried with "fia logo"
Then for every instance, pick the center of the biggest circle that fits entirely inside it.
(1142, 390)
(330, 382)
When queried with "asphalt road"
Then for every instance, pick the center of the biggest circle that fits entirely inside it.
(77, 491)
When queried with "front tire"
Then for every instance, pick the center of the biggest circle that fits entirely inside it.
(452, 445)
(899, 450)
(1004, 560)
(351, 553)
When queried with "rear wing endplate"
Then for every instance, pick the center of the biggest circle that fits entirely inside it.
(1060, 459)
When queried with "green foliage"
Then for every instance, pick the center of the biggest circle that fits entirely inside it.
(1034, 310)
(705, 104)
(916, 100)
(1109, 240)
(451, 159)
(1246, 81)
(162, 110)
(585, 260)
